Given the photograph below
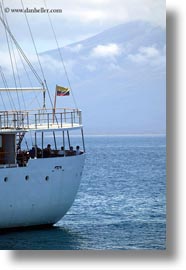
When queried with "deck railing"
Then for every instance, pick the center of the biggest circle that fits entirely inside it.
(38, 119)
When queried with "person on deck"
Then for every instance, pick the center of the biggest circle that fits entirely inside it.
(32, 152)
(71, 151)
(78, 152)
(61, 152)
(47, 151)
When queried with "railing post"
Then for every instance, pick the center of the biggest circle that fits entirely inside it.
(27, 120)
(68, 136)
(42, 142)
(14, 120)
(83, 139)
(64, 142)
(23, 120)
(65, 115)
(36, 121)
(4, 118)
(48, 119)
(74, 113)
(7, 118)
(61, 120)
(54, 135)
(18, 120)
(39, 114)
(35, 145)
(80, 118)
(71, 118)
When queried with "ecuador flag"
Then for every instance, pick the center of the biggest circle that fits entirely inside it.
(62, 91)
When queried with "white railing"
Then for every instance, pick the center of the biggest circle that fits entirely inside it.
(36, 119)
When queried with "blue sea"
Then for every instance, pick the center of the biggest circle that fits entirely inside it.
(120, 205)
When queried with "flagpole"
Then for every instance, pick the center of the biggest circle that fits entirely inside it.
(54, 108)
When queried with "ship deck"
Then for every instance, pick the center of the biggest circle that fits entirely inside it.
(40, 120)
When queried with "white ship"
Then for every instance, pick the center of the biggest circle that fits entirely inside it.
(37, 184)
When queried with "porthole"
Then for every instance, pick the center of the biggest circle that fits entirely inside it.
(47, 178)
(26, 177)
(6, 179)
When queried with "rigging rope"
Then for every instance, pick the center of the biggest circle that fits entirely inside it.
(3, 101)
(2, 75)
(28, 77)
(8, 93)
(61, 57)
(21, 55)
(13, 71)
(30, 83)
(21, 51)
(1, 93)
(33, 41)
(18, 77)
(34, 44)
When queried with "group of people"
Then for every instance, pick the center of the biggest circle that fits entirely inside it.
(23, 156)
(48, 152)
(70, 152)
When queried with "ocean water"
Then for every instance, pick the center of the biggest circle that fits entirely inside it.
(120, 205)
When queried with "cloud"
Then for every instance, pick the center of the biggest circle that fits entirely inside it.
(79, 18)
(19, 64)
(109, 50)
(147, 55)
(149, 52)
(91, 68)
(114, 67)
(114, 12)
(76, 48)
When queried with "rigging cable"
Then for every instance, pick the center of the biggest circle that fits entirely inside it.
(12, 56)
(28, 77)
(34, 44)
(11, 60)
(61, 57)
(8, 93)
(22, 53)
(2, 75)
(1, 93)
(3, 101)
(18, 77)
(33, 41)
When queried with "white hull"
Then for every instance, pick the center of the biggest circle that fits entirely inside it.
(45, 196)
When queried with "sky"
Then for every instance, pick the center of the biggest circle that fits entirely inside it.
(78, 20)
(130, 50)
